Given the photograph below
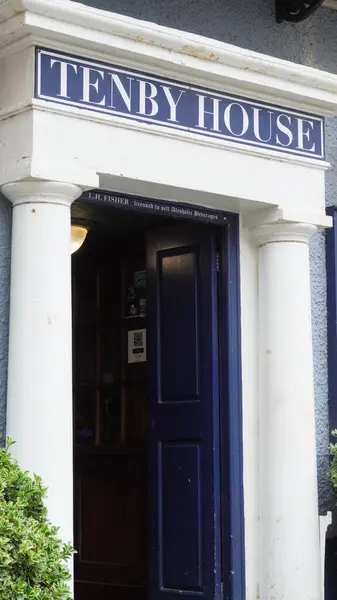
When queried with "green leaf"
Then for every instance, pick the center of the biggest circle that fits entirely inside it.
(34, 561)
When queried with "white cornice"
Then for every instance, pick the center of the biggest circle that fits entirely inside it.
(117, 38)
(330, 4)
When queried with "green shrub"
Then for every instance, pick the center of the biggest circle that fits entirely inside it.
(333, 463)
(33, 560)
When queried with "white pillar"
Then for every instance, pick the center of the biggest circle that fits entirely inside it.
(39, 407)
(289, 527)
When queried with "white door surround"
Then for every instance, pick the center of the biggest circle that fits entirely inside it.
(50, 152)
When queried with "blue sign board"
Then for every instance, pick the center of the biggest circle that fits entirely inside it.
(126, 93)
(177, 210)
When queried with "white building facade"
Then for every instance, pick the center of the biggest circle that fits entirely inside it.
(103, 108)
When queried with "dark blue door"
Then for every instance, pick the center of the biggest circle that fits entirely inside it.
(183, 414)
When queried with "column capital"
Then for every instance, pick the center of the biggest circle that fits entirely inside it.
(43, 192)
(282, 232)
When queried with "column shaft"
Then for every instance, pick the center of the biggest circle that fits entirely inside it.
(39, 408)
(289, 540)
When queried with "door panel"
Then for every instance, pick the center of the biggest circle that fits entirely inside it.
(180, 470)
(91, 591)
(183, 413)
(178, 288)
(110, 493)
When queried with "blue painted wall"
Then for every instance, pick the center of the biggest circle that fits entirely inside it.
(5, 240)
(314, 43)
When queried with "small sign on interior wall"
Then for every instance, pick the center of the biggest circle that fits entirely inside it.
(137, 345)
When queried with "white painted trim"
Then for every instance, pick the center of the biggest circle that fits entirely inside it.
(272, 233)
(282, 216)
(39, 404)
(289, 551)
(157, 129)
(330, 4)
(161, 49)
(324, 522)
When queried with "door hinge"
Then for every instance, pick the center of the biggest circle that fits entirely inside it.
(218, 262)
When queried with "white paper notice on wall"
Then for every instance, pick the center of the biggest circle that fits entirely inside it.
(137, 346)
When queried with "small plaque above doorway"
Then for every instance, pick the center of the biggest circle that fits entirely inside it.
(177, 210)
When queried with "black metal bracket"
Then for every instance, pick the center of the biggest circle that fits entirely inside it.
(295, 11)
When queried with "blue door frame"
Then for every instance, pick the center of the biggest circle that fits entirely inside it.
(230, 482)
(331, 274)
(233, 542)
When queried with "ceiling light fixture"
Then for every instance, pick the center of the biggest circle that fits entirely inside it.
(78, 235)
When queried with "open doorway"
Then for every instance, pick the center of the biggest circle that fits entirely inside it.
(110, 405)
(151, 504)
